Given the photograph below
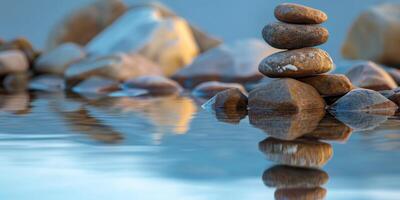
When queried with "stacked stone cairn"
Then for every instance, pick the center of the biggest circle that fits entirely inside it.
(300, 69)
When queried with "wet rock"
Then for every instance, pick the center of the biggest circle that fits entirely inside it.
(211, 88)
(317, 193)
(231, 99)
(119, 67)
(83, 24)
(285, 95)
(364, 100)
(155, 85)
(329, 84)
(13, 61)
(230, 116)
(57, 60)
(294, 36)
(96, 85)
(329, 128)
(299, 14)
(298, 153)
(23, 45)
(168, 42)
(232, 62)
(369, 75)
(281, 176)
(286, 126)
(394, 73)
(375, 35)
(47, 83)
(296, 63)
(16, 82)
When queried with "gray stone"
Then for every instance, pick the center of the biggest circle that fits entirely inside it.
(155, 85)
(211, 88)
(96, 85)
(47, 83)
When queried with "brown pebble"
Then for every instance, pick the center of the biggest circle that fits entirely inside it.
(329, 84)
(299, 14)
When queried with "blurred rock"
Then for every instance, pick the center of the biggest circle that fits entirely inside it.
(230, 116)
(329, 84)
(299, 14)
(364, 100)
(155, 85)
(394, 73)
(16, 82)
(281, 176)
(375, 35)
(317, 193)
(285, 95)
(83, 24)
(119, 67)
(253, 85)
(369, 75)
(297, 153)
(296, 63)
(23, 45)
(96, 85)
(47, 83)
(168, 41)
(286, 126)
(13, 61)
(395, 98)
(329, 128)
(15, 103)
(211, 88)
(233, 62)
(58, 60)
(230, 99)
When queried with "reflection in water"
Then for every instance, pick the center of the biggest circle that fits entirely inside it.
(300, 153)
(18, 103)
(329, 128)
(230, 116)
(317, 193)
(286, 126)
(361, 120)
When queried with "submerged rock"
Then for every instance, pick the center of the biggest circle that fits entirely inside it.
(84, 24)
(233, 62)
(13, 61)
(285, 95)
(375, 35)
(211, 88)
(299, 14)
(317, 193)
(369, 75)
(155, 85)
(296, 63)
(329, 84)
(230, 99)
(47, 83)
(57, 60)
(298, 153)
(96, 85)
(294, 36)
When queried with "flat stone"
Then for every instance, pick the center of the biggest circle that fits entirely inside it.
(297, 153)
(369, 75)
(329, 84)
(299, 14)
(16, 82)
(232, 62)
(13, 61)
(364, 100)
(281, 176)
(211, 88)
(294, 36)
(23, 45)
(155, 85)
(331, 129)
(47, 83)
(231, 99)
(59, 59)
(96, 85)
(119, 67)
(296, 63)
(286, 126)
(317, 193)
(285, 95)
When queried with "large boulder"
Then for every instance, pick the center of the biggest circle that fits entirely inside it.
(232, 62)
(285, 95)
(375, 35)
(83, 24)
(369, 75)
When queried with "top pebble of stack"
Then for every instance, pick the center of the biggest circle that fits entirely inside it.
(299, 14)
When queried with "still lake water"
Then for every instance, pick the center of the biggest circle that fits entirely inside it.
(62, 146)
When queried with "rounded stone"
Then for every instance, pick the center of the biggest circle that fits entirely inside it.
(329, 84)
(296, 63)
(155, 85)
(294, 36)
(299, 14)
(211, 88)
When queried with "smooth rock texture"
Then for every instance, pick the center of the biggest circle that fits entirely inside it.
(394, 73)
(317, 193)
(211, 88)
(84, 24)
(96, 85)
(329, 84)
(23, 45)
(13, 61)
(375, 35)
(294, 36)
(285, 95)
(298, 153)
(58, 60)
(155, 85)
(364, 100)
(369, 75)
(47, 83)
(168, 41)
(230, 116)
(231, 62)
(231, 99)
(296, 63)
(119, 67)
(299, 14)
